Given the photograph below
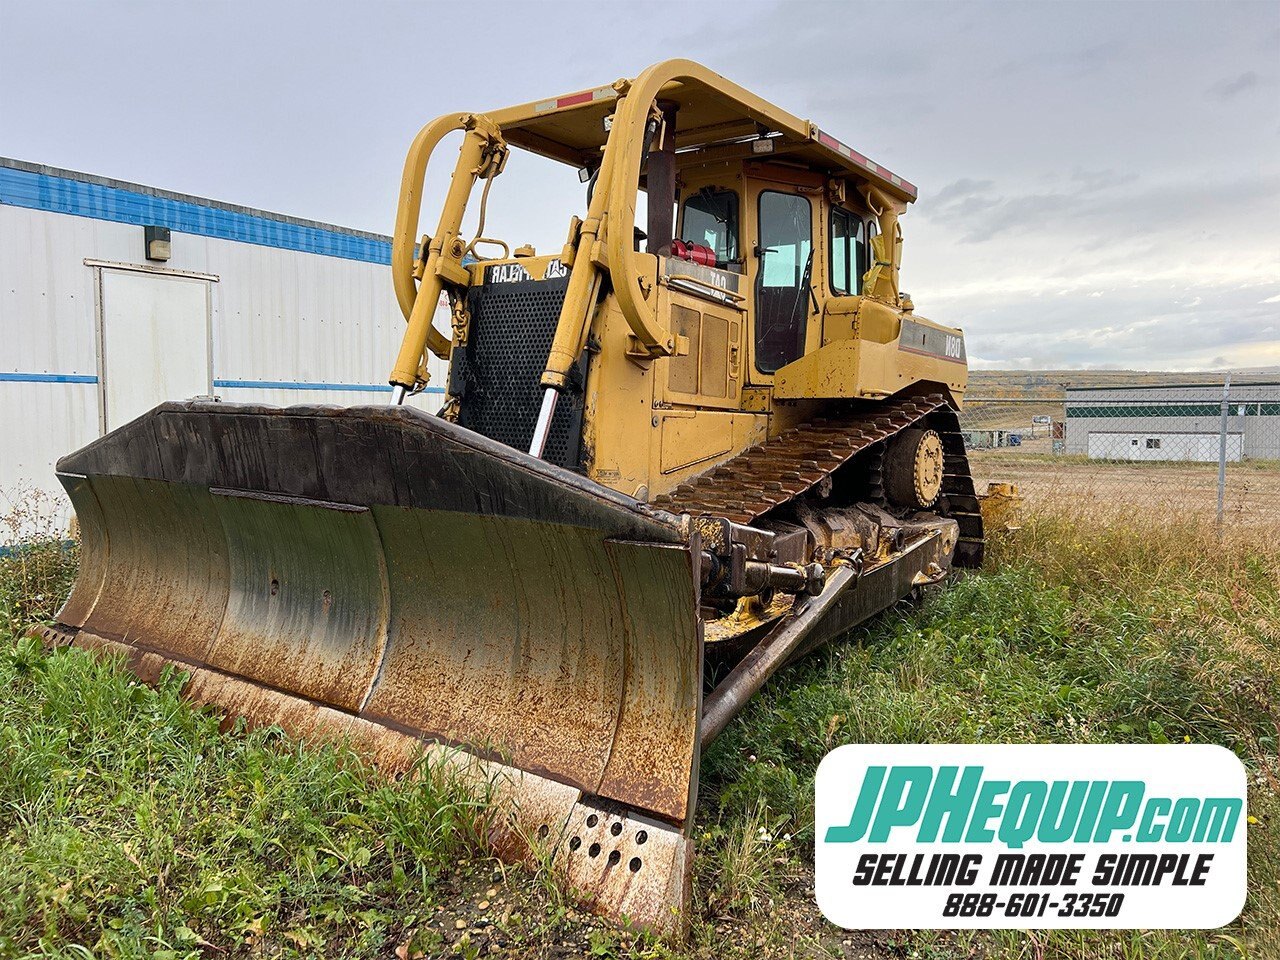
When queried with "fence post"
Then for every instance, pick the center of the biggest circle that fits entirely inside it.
(1222, 449)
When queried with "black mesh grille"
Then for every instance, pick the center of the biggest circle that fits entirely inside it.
(496, 376)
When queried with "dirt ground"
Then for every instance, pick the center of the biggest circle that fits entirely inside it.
(1252, 492)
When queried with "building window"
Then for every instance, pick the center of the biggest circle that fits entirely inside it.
(1153, 443)
(848, 252)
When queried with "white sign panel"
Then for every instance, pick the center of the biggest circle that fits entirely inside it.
(1030, 836)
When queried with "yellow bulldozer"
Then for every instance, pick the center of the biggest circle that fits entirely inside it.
(672, 457)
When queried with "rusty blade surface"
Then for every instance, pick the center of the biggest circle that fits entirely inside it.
(627, 866)
(378, 567)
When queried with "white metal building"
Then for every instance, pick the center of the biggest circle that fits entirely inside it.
(249, 306)
(1173, 422)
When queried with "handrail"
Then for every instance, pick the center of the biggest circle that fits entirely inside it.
(881, 281)
(710, 288)
(482, 154)
(633, 288)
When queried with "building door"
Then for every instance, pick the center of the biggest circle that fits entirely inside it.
(154, 332)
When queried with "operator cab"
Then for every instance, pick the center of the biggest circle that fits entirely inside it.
(799, 243)
(719, 283)
(738, 196)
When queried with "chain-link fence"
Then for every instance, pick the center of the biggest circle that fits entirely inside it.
(1208, 451)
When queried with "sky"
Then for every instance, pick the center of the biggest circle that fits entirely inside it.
(1099, 182)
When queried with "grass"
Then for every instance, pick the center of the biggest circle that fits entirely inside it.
(1007, 456)
(1121, 633)
(131, 827)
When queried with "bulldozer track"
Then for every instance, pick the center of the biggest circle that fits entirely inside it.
(770, 475)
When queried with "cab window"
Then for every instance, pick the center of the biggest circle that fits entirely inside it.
(711, 219)
(848, 252)
(783, 275)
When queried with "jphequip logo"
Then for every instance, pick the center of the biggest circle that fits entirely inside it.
(1030, 836)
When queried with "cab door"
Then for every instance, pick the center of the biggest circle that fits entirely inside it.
(784, 254)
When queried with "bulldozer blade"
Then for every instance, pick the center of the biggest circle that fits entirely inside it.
(386, 577)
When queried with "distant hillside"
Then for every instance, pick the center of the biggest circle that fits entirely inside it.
(1050, 383)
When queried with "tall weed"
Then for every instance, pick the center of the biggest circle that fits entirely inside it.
(38, 558)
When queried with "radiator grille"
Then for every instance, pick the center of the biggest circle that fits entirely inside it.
(496, 377)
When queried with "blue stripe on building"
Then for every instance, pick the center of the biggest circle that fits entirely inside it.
(220, 384)
(40, 191)
(48, 378)
(305, 385)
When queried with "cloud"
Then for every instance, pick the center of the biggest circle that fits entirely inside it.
(1075, 152)
(1095, 58)
(1093, 180)
(1227, 88)
(1145, 326)
(1094, 212)
(960, 189)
